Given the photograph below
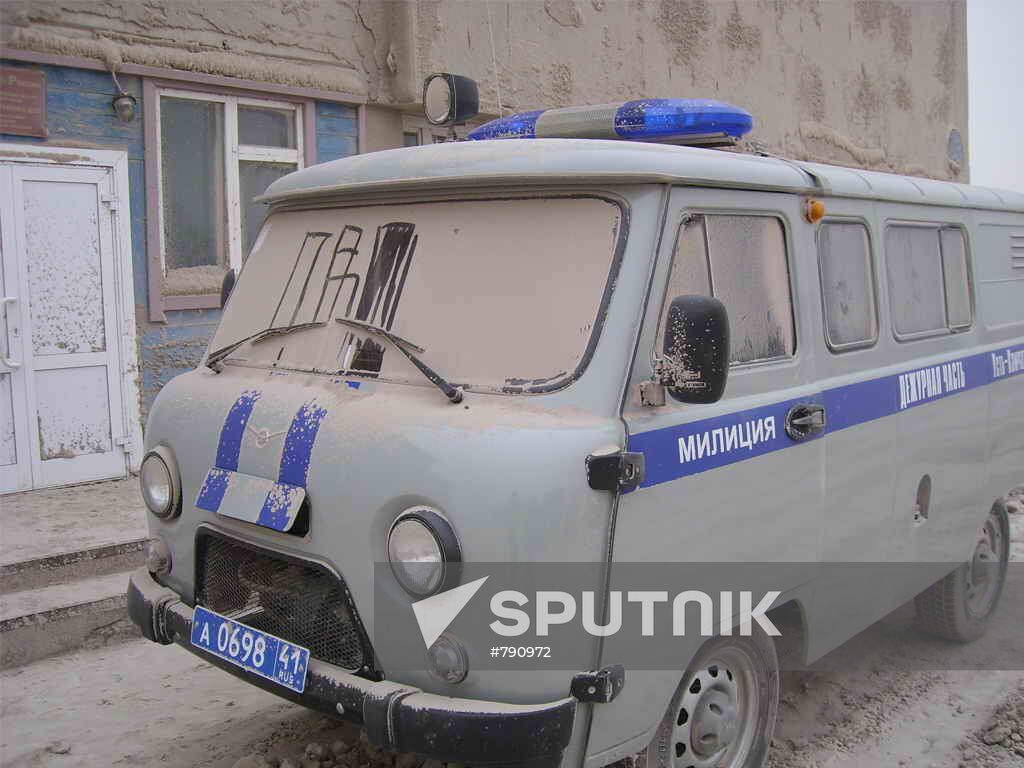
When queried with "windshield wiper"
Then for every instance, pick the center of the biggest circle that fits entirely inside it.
(214, 358)
(407, 348)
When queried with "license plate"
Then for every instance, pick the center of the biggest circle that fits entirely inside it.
(268, 656)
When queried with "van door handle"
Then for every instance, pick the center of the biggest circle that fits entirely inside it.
(6, 361)
(805, 420)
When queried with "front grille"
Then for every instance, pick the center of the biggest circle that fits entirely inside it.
(296, 600)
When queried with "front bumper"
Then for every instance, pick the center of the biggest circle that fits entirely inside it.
(397, 717)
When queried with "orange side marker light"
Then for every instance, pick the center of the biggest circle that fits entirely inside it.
(815, 211)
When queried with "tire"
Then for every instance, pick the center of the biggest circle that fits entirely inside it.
(960, 606)
(697, 730)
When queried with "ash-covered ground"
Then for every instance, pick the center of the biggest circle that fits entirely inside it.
(139, 704)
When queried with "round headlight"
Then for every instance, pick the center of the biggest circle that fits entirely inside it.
(422, 549)
(158, 480)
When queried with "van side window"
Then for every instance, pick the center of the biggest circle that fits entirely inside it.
(929, 288)
(957, 277)
(742, 261)
(847, 285)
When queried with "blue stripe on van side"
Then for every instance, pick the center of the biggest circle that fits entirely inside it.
(688, 449)
(228, 449)
(214, 487)
(231, 434)
(279, 509)
(295, 457)
(298, 444)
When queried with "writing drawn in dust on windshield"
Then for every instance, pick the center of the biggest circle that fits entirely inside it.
(322, 278)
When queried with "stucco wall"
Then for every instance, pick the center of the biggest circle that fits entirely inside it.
(327, 45)
(871, 83)
(875, 83)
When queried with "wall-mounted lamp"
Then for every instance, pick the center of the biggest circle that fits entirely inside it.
(123, 104)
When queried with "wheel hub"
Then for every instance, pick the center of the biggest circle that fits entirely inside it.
(715, 722)
(717, 714)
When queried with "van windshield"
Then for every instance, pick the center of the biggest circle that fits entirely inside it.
(500, 295)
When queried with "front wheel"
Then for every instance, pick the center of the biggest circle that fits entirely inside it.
(960, 606)
(723, 713)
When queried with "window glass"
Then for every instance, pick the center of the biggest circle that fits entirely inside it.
(750, 275)
(955, 272)
(748, 272)
(915, 279)
(447, 276)
(266, 127)
(253, 180)
(690, 271)
(844, 257)
(193, 190)
(210, 174)
(410, 139)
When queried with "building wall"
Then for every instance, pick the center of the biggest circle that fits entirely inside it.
(327, 45)
(872, 83)
(79, 114)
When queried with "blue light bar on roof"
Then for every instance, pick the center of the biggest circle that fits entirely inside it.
(681, 121)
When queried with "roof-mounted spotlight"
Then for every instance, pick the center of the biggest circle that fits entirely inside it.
(450, 99)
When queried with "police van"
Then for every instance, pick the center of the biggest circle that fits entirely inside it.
(594, 335)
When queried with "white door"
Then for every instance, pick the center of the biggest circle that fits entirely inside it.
(61, 416)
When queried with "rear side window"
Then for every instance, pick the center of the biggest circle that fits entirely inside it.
(742, 261)
(929, 288)
(957, 277)
(847, 285)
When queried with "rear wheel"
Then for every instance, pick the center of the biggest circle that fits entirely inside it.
(723, 713)
(960, 606)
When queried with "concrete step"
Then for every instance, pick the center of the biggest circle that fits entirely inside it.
(43, 621)
(65, 567)
(42, 522)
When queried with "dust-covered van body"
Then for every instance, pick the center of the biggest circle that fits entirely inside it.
(475, 343)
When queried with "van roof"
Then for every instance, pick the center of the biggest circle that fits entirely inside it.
(481, 164)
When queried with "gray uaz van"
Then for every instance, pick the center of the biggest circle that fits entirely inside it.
(598, 351)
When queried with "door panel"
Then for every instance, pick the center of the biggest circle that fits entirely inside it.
(755, 496)
(8, 448)
(65, 271)
(59, 263)
(860, 459)
(63, 433)
(15, 462)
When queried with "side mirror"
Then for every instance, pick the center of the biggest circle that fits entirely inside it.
(695, 362)
(226, 285)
